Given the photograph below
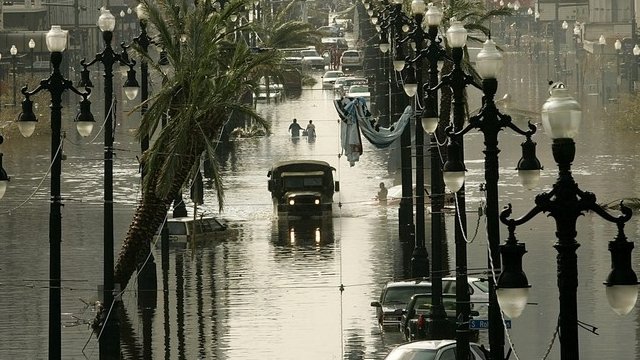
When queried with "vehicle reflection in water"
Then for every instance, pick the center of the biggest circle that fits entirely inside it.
(304, 232)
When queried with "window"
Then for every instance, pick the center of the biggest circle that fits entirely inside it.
(403, 294)
(177, 228)
(448, 354)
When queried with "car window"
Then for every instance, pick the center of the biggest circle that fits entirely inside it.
(478, 352)
(308, 53)
(177, 228)
(448, 354)
(403, 294)
(482, 285)
(358, 89)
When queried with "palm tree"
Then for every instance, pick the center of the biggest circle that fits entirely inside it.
(196, 99)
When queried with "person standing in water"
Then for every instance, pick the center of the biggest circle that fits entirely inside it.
(382, 194)
(311, 130)
(295, 128)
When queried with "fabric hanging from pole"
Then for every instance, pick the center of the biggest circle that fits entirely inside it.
(356, 118)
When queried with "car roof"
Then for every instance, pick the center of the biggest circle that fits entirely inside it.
(427, 344)
(408, 283)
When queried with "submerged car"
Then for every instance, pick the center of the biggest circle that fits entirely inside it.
(351, 59)
(433, 350)
(356, 91)
(396, 295)
(394, 298)
(329, 78)
(416, 323)
(311, 59)
(181, 230)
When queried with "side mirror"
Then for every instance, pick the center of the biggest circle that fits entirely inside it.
(337, 186)
(376, 304)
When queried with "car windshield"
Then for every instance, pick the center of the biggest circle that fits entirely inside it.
(177, 228)
(482, 285)
(358, 89)
(308, 53)
(411, 354)
(333, 74)
(403, 294)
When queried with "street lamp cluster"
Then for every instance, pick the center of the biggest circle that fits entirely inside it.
(561, 115)
(565, 203)
(56, 85)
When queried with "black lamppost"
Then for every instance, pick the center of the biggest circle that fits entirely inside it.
(577, 41)
(413, 87)
(56, 84)
(617, 45)
(110, 340)
(4, 178)
(434, 52)
(14, 53)
(565, 203)
(634, 67)
(32, 45)
(398, 103)
(491, 122)
(453, 173)
(602, 42)
(143, 41)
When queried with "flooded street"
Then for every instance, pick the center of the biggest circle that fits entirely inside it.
(263, 292)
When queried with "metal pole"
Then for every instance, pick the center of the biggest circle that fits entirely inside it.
(437, 193)
(634, 40)
(13, 61)
(462, 293)
(419, 258)
(55, 217)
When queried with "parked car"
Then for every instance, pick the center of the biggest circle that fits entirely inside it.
(433, 350)
(396, 295)
(351, 59)
(311, 59)
(342, 84)
(356, 91)
(329, 78)
(394, 298)
(417, 318)
(478, 292)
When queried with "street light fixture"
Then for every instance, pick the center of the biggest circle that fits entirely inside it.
(109, 341)
(14, 53)
(561, 117)
(56, 84)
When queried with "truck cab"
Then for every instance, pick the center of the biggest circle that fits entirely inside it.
(302, 188)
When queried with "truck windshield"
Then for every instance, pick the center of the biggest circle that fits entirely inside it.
(300, 182)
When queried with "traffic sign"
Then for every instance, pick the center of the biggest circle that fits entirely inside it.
(483, 324)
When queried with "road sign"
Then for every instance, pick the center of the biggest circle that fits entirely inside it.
(483, 324)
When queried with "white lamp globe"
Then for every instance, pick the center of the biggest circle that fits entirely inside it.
(106, 21)
(429, 124)
(56, 39)
(561, 114)
(456, 34)
(489, 61)
(384, 47)
(622, 298)
(418, 7)
(433, 15)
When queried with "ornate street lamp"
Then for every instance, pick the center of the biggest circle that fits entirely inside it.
(109, 341)
(56, 84)
(565, 203)
(490, 121)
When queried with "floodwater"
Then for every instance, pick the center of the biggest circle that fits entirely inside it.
(262, 293)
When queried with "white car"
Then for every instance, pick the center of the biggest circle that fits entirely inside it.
(329, 78)
(433, 350)
(311, 59)
(356, 91)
